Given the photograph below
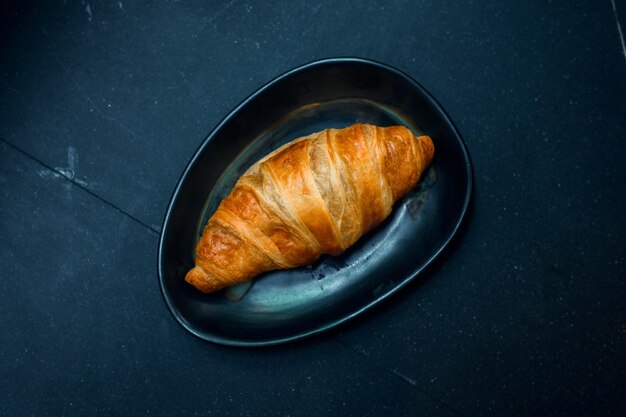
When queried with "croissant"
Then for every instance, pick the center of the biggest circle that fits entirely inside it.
(315, 195)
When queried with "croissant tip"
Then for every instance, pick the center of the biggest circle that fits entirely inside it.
(200, 279)
(427, 146)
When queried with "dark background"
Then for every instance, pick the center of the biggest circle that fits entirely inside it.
(103, 103)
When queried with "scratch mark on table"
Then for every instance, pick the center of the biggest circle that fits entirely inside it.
(88, 10)
(69, 172)
(13, 90)
(221, 11)
(217, 14)
(78, 86)
(404, 377)
(619, 29)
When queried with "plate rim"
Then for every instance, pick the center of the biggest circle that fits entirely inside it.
(207, 336)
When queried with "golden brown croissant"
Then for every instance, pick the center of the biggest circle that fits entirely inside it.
(316, 195)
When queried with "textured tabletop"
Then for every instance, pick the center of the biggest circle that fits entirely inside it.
(103, 103)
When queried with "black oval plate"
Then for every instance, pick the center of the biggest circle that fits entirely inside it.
(287, 305)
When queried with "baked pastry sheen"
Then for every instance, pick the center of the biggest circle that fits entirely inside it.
(315, 195)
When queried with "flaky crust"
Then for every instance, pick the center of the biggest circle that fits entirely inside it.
(316, 195)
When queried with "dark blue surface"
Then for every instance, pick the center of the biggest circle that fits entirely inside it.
(102, 104)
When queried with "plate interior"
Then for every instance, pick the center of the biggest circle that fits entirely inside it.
(287, 304)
